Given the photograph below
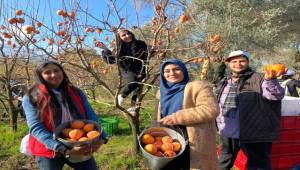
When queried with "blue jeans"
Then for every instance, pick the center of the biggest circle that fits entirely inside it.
(57, 163)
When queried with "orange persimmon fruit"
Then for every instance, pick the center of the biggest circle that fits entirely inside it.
(76, 134)
(19, 12)
(147, 139)
(176, 146)
(169, 153)
(150, 148)
(93, 134)
(77, 124)
(166, 139)
(82, 139)
(166, 146)
(88, 127)
(66, 132)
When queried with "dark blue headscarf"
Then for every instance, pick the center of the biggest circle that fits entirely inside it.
(171, 95)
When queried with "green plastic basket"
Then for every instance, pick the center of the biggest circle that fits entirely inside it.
(110, 125)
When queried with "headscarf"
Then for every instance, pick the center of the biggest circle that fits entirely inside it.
(171, 94)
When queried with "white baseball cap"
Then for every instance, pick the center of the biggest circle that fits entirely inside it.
(237, 53)
(290, 72)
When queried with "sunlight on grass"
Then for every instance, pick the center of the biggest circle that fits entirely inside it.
(118, 149)
(10, 141)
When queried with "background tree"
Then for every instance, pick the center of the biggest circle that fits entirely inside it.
(74, 39)
(15, 55)
(268, 29)
(198, 32)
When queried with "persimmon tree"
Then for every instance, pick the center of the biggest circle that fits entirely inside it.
(15, 55)
(75, 38)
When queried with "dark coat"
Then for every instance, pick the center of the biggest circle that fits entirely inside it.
(137, 49)
(259, 117)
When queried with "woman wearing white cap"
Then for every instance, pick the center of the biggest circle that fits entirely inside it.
(250, 108)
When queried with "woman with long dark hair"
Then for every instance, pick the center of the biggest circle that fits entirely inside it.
(132, 55)
(52, 101)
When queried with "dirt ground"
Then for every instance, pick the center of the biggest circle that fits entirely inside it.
(20, 162)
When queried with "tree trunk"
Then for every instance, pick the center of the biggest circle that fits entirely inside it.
(94, 93)
(5, 109)
(134, 123)
(205, 68)
(12, 111)
(13, 115)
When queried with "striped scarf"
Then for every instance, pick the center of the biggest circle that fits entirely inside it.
(231, 101)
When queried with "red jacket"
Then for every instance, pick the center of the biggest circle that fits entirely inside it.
(36, 147)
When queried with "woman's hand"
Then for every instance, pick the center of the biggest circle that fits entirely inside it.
(86, 149)
(168, 120)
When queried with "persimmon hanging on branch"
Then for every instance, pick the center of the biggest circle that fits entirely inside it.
(72, 14)
(98, 30)
(28, 29)
(19, 12)
(215, 38)
(183, 18)
(61, 13)
(39, 24)
(12, 20)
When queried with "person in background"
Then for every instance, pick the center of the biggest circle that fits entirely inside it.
(52, 101)
(192, 107)
(132, 55)
(250, 110)
(289, 84)
(18, 91)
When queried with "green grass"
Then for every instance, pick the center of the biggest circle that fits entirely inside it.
(146, 115)
(119, 148)
(10, 141)
(116, 154)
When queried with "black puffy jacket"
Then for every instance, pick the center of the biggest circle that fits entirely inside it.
(137, 60)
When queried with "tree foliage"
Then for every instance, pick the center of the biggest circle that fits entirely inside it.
(249, 24)
(268, 29)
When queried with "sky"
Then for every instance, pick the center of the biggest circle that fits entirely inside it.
(45, 12)
(47, 9)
